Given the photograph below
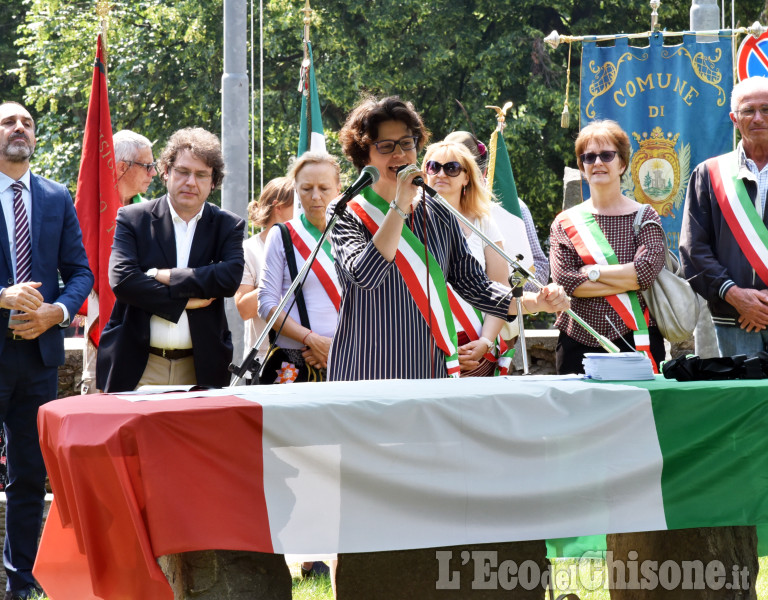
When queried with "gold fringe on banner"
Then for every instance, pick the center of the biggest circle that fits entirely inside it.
(501, 118)
(102, 11)
(565, 118)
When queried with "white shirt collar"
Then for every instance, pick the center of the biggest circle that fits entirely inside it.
(6, 182)
(177, 219)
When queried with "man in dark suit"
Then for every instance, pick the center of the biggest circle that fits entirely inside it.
(174, 260)
(39, 223)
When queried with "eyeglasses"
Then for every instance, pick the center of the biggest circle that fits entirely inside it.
(147, 166)
(388, 146)
(452, 169)
(199, 175)
(750, 112)
(606, 156)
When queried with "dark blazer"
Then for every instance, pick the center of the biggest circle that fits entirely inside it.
(57, 248)
(144, 239)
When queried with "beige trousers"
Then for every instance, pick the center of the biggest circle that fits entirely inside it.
(161, 371)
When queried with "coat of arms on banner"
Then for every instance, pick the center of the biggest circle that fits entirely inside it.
(658, 172)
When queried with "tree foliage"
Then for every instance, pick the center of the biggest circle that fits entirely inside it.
(165, 67)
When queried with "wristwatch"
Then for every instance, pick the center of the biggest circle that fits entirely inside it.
(152, 273)
(393, 205)
(593, 273)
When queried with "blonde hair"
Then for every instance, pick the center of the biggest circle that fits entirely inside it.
(313, 158)
(476, 199)
(277, 192)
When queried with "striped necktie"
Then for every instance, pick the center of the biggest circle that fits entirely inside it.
(23, 242)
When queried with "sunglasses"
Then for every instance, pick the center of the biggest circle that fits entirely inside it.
(147, 166)
(452, 169)
(606, 156)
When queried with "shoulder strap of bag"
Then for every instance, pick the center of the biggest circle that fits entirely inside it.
(670, 262)
(290, 257)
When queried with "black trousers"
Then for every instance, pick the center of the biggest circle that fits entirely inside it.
(569, 353)
(25, 385)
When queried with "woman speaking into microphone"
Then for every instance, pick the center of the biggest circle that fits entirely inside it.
(395, 249)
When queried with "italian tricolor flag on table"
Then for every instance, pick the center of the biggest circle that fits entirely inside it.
(510, 461)
(320, 468)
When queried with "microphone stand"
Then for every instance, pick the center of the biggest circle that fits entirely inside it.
(517, 283)
(521, 272)
(251, 363)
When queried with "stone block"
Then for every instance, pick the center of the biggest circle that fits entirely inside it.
(541, 344)
(417, 574)
(734, 547)
(227, 575)
(571, 188)
(71, 372)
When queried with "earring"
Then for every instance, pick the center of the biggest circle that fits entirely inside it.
(463, 190)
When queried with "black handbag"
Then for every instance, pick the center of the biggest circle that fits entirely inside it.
(278, 366)
(740, 366)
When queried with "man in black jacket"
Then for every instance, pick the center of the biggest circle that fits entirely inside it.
(174, 260)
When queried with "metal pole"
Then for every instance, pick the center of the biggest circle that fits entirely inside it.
(234, 131)
(523, 348)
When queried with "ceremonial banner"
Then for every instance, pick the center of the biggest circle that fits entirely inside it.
(311, 136)
(96, 200)
(673, 102)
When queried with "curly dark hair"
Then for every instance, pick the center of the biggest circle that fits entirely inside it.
(201, 143)
(362, 126)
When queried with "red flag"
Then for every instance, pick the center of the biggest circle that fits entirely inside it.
(97, 199)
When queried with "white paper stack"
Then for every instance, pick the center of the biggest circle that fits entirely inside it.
(617, 366)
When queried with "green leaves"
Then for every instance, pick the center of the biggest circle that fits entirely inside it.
(165, 67)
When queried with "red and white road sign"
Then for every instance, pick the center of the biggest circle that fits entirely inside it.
(752, 57)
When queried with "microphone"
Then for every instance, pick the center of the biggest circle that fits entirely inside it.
(419, 182)
(368, 176)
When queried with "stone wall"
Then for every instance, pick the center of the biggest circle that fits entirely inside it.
(71, 372)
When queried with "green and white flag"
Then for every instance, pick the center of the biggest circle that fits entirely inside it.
(507, 213)
(311, 136)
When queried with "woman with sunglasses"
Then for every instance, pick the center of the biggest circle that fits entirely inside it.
(395, 250)
(453, 173)
(597, 258)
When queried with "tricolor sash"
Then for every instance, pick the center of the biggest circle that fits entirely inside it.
(739, 211)
(593, 248)
(409, 260)
(305, 236)
(468, 319)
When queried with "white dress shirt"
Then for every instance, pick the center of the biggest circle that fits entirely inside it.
(163, 333)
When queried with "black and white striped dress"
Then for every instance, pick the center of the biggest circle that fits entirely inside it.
(381, 333)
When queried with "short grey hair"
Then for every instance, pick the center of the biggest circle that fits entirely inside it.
(756, 83)
(127, 143)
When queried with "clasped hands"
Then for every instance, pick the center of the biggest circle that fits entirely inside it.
(551, 298)
(36, 315)
(752, 306)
